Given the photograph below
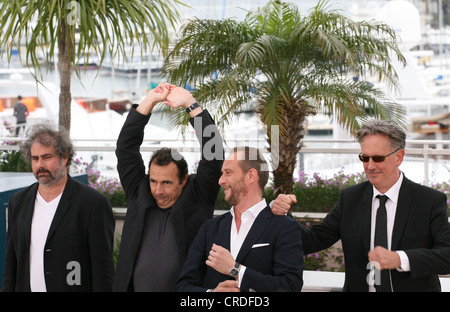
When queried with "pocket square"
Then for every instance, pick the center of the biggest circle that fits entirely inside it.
(260, 245)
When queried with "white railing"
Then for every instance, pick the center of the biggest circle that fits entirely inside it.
(421, 150)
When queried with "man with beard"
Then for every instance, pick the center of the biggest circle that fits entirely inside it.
(60, 231)
(249, 248)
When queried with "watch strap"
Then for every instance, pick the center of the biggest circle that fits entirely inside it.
(234, 272)
(191, 107)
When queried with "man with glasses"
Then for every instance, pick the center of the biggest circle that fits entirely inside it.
(388, 222)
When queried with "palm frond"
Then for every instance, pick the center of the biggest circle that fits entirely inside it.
(353, 103)
(292, 65)
(103, 25)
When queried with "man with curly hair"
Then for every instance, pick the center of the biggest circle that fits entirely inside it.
(60, 231)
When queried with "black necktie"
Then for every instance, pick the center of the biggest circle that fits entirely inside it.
(381, 240)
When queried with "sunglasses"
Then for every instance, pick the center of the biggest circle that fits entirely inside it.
(376, 158)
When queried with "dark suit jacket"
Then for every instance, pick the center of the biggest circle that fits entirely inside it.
(272, 253)
(82, 230)
(421, 229)
(196, 202)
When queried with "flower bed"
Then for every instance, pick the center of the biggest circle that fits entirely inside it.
(110, 187)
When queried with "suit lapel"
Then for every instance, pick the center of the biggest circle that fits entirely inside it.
(224, 230)
(366, 205)
(63, 206)
(404, 202)
(260, 225)
(177, 214)
(25, 223)
(145, 203)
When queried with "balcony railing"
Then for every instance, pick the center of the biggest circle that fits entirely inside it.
(426, 152)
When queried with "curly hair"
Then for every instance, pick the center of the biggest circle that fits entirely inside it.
(47, 135)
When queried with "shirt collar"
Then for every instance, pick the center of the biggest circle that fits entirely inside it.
(254, 210)
(393, 192)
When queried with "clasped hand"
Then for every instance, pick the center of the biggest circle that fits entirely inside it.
(171, 95)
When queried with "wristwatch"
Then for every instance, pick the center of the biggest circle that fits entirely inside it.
(191, 107)
(234, 272)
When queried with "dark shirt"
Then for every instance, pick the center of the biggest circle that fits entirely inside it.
(158, 264)
(21, 112)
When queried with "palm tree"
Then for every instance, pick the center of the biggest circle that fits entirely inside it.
(104, 26)
(294, 66)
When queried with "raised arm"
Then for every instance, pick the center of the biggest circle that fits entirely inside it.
(206, 184)
(130, 164)
(211, 158)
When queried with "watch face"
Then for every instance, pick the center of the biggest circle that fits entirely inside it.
(234, 272)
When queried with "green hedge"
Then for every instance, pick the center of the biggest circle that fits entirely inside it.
(314, 193)
(13, 161)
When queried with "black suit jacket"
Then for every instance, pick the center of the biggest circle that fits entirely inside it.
(196, 202)
(82, 230)
(421, 229)
(272, 253)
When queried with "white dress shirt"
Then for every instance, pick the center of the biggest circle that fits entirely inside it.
(238, 237)
(391, 208)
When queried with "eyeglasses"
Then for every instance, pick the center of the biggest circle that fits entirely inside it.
(376, 158)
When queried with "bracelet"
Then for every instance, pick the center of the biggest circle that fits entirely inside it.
(190, 108)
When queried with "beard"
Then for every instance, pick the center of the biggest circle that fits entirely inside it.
(47, 178)
(237, 191)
